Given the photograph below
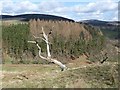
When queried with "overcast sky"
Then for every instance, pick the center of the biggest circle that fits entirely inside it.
(73, 9)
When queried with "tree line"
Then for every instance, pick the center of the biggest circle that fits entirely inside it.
(68, 40)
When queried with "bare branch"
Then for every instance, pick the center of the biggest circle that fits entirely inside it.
(46, 40)
(50, 31)
(42, 39)
(31, 42)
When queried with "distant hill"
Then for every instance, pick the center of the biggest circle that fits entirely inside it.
(100, 23)
(27, 17)
(109, 28)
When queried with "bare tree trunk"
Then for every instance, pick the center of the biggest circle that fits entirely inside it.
(48, 58)
(62, 66)
(46, 40)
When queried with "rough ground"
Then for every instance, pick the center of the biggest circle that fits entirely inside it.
(79, 75)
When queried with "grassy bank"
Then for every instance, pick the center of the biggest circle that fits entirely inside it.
(49, 76)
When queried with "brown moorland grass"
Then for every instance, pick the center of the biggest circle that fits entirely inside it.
(49, 76)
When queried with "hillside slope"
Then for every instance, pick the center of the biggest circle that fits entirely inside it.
(68, 40)
(109, 28)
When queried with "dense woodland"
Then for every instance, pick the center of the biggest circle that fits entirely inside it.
(68, 41)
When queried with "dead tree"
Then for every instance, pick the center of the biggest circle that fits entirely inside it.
(104, 59)
(48, 58)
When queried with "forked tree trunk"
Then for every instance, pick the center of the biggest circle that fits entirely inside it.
(48, 58)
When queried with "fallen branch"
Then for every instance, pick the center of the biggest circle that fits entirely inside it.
(104, 59)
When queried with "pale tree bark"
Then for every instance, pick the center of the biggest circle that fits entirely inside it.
(48, 58)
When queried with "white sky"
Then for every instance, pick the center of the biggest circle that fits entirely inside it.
(73, 9)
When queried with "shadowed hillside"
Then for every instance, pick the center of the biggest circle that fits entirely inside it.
(27, 17)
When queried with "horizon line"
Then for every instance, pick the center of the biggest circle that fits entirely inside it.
(57, 16)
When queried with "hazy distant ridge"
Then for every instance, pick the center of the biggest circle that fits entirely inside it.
(27, 17)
